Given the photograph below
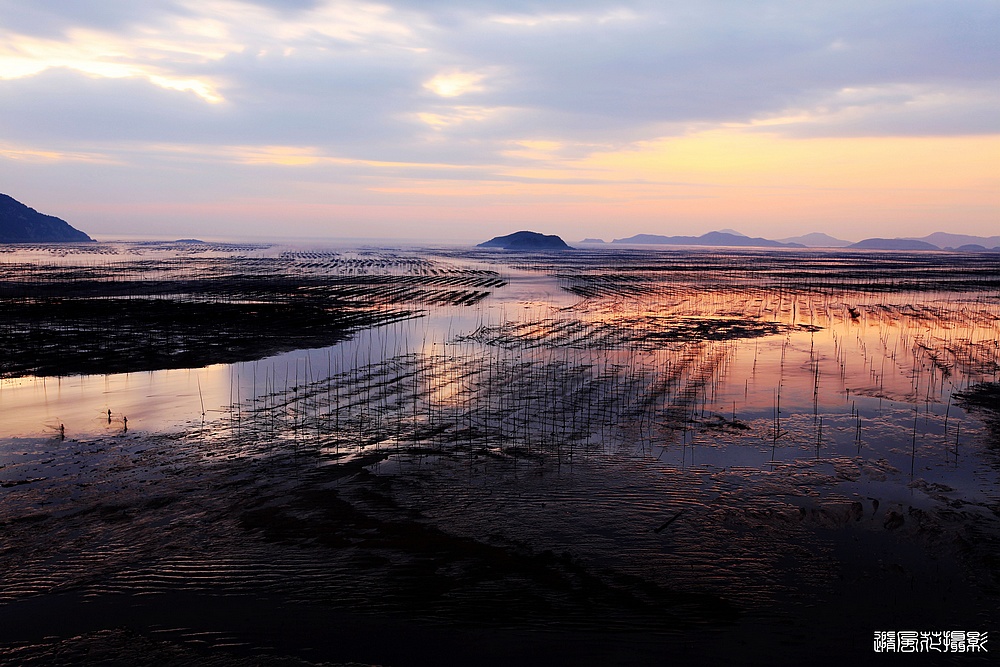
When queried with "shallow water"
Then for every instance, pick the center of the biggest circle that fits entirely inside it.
(164, 400)
(686, 446)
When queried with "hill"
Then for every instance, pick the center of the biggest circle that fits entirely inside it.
(21, 224)
(818, 240)
(724, 239)
(947, 240)
(893, 244)
(526, 241)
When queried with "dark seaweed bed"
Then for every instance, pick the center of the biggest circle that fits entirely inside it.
(140, 315)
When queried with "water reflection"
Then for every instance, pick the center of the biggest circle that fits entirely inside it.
(763, 432)
(688, 358)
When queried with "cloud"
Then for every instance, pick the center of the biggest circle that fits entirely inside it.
(580, 72)
(892, 111)
(65, 107)
(364, 92)
(454, 83)
(726, 62)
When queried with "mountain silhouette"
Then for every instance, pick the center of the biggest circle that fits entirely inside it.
(709, 239)
(21, 224)
(526, 241)
(818, 240)
(893, 244)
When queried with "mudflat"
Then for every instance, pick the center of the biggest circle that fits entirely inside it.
(453, 456)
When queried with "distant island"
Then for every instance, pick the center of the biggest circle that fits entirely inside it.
(710, 239)
(22, 224)
(526, 241)
(817, 240)
(963, 242)
(893, 244)
(732, 238)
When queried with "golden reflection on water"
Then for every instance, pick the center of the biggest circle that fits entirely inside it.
(782, 423)
(649, 353)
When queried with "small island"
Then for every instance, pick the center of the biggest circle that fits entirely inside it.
(22, 224)
(526, 241)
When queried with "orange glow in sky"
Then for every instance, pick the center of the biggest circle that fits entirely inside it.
(347, 119)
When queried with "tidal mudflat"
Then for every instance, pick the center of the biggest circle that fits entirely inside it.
(448, 456)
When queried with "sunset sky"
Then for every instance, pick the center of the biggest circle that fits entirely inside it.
(448, 119)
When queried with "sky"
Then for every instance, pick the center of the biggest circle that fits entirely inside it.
(464, 119)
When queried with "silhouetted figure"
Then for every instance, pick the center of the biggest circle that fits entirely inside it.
(125, 421)
(62, 431)
(109, 415)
